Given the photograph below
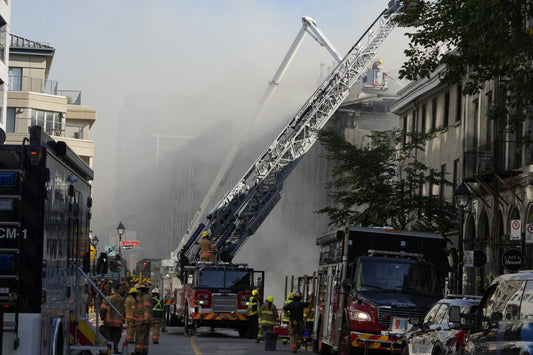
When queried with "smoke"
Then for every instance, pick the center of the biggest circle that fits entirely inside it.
(174, 84)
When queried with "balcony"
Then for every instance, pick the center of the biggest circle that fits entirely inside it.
(502, 158)
(32, 84)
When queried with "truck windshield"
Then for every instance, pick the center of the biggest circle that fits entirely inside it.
(230, 279)
(404, 276)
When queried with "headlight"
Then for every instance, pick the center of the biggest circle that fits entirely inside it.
(360, 316)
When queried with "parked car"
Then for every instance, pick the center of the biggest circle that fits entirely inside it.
(443, 329)
(503, 323)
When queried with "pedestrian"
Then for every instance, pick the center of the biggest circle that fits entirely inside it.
(269, 317)
(207, 248)
(143, 319)
(157, 311)
(296, 320)
(253, 315)
(129, 307)
(112, 320)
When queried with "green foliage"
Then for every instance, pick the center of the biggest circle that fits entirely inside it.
(481, 40)
(366, 189)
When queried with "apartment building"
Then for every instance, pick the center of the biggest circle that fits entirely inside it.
(5, 15)
(33, 99)
(469, 148)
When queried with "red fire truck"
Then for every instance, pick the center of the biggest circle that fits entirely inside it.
(366, 296)
(213, 295)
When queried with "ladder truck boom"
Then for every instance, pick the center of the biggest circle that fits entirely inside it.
(308, 26)
(242, 210)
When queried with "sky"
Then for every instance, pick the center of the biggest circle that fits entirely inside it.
(228, 49)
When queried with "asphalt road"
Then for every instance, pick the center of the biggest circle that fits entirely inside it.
(206, 342)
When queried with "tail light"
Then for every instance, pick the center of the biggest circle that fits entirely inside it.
(462, 337)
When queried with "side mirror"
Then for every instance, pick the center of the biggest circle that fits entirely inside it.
(348, 285)
(496, 317)
(454, 314)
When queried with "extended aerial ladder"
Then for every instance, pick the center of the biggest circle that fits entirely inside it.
(243, 209)
(310, 27)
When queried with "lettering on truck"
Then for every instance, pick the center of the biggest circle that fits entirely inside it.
(13, 233)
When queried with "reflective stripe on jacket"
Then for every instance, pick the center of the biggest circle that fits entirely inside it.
(253, 306)
(268, 314)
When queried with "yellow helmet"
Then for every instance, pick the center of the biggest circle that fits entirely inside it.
(291, 295)
(270, 299)
(255, 293)
(205, 234)
(133, 290)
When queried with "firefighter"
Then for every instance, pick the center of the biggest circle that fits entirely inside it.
(285, 314)
(253, 315)
(296, 320)
(157, 311)
(143, 319)
(112, 320)
(207, 248)
(309, 314)
(269, 317)
(129, 306)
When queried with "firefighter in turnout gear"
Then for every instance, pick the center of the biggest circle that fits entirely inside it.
(296, 320)
(207, 249)
(112, 329)
(143, 319)
(157, 311)
(309, 314)
(129, 306)
(285, 314)
(269, 317)
(253, 315)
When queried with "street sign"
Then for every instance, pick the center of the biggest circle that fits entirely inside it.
(512, 260)
(130, 243)
(516, 227)
(529, 233)
(110, 250)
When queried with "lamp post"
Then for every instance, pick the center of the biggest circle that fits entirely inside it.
(462, 198)
(120, 231)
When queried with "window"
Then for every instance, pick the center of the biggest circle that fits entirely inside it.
(404, 133)
(459, 103)
(442, 180)
(455, 178)
(15, 79)
(475, 120)
(10, 124)
(446, 108)
(423, 119)
(502, 303)
(51, 122)
(526, 310)
(413, 121)
(433, 114)
(441, 317)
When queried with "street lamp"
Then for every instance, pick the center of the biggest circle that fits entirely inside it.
(120, 231)
(462, 198)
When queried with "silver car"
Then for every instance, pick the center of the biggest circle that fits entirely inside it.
(440, 333)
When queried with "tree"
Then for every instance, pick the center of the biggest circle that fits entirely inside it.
(366, 189)
(480, 40)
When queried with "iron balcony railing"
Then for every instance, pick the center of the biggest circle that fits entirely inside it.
(43, 86)
(497, 157)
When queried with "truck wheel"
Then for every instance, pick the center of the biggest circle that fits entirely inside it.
(186, 324)
(345, 346)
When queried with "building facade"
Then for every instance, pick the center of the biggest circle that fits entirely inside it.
(5, 20)
(33, 99)
(467, 147)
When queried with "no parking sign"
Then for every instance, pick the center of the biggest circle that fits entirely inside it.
(515, 229)
(529, 233)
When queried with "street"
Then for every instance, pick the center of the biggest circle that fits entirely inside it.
(220, 341)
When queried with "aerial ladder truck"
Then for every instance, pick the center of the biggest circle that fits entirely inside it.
(242, 210)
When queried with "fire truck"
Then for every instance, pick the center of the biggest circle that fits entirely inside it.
(370, 282)
(242, 210)
(45, 209)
